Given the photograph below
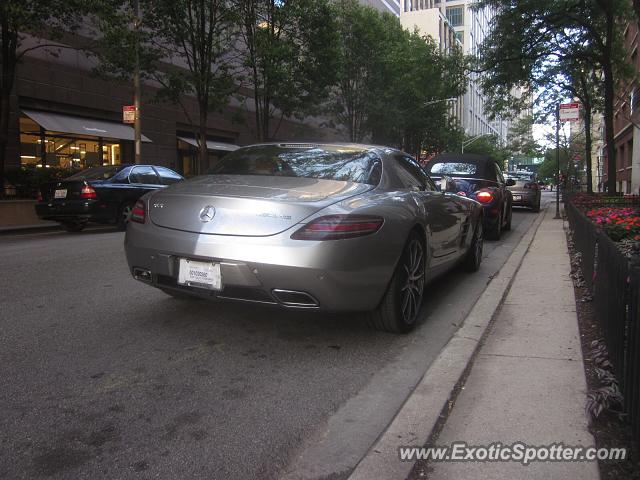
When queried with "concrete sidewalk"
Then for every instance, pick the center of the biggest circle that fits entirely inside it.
(527, 383)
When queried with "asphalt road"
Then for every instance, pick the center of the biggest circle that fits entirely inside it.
(104, 377)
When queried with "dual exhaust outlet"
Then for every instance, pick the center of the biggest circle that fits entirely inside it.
(288, 298)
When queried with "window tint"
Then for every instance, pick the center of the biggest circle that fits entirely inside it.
(411, 174)
(144, 175)
(96, 173)
(167, 176)
(323, 162)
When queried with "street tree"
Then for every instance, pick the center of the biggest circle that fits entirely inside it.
(185, 46)
(422, 84)
(361, 65)
(289, 51)
(520, 140)
(529, 37)
(394, 86)
(26, 26)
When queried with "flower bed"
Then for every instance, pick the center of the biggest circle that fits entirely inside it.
(617, 216)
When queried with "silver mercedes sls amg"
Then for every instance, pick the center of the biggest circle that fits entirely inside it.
(308, 226)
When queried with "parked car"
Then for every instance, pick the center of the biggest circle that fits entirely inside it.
(307, 226)
(103, 194)
(526, 191)
(478, 177)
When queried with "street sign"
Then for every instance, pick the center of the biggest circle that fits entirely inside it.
(129, 114)
(569, 112)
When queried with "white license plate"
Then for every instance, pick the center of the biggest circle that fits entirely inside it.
(517, 197)
(200, 274)
(61, 193)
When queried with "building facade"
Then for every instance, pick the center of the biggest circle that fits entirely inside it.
(455, 18)
(62, 115)
(626, 117)
(389, 6)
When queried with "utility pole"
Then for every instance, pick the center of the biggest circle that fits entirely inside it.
(136, 85)
(557, 162)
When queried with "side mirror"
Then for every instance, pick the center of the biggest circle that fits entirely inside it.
(510, 182)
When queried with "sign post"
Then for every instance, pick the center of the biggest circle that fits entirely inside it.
(565, 112)
(128, 114)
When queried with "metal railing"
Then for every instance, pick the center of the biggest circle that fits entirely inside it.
(614, 282)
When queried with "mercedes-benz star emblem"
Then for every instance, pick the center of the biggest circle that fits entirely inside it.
(207, 213)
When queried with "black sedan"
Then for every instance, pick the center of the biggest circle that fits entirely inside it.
(104, 194)
(478, 177)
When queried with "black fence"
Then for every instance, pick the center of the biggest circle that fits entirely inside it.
(614, 282)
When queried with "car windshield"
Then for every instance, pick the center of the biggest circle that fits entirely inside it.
(454, 168)
(96, 173)
(526, 177)
(322, 162)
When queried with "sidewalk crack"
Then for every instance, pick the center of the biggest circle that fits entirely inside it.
(527, 356)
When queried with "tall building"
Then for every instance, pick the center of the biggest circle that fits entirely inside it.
(626, 116)
(389, 6)
(469, 27)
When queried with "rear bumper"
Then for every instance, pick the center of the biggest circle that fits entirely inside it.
(344, 275)
(525, 199)
(75, 210)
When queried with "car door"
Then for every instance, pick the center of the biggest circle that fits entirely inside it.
(440, 210)
(142, 179)
(167, 176)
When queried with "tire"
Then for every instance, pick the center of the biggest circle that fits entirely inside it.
(124, 213)
(536, 207)
(73, 227)
(496, 231)
(473, 258)
(398, 310)
(507, 226)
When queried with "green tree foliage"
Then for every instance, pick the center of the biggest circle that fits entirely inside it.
(289, 50)
(185, 46)
(20, 21)
(488, 145)
(393, 84)
(520, 139)
(534, 42)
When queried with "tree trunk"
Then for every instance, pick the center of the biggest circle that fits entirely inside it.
(587, 145)
(7, 77)
(4, 134)
(609, 97)
(203, 152)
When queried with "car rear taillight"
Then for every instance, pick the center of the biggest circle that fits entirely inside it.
(138, 213)
(88, 193)
(39, 198)
(484, 196)
(336, 227)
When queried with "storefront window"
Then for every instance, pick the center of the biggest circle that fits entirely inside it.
(65, 150)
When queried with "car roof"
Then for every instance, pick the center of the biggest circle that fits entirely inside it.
(485, 163)
(363, 146)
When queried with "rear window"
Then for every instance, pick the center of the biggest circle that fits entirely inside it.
(96, 173)
(522, 177)
(454, 168)
(321, 162)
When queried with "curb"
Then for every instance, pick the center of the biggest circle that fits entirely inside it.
(29, 228)
(415, 425)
